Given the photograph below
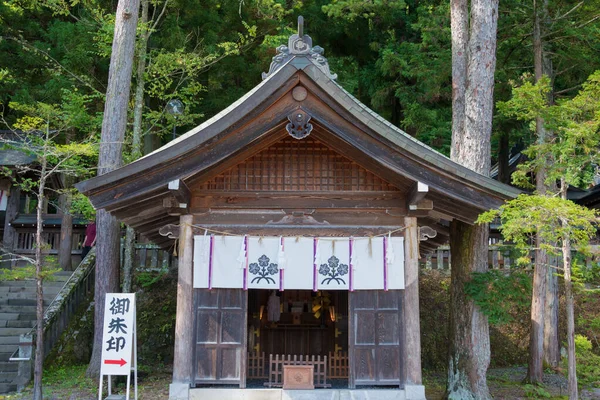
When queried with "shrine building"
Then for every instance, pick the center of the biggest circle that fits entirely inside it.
(299, 216)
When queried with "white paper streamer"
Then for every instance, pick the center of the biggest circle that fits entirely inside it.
(281, 261)
(241, 259)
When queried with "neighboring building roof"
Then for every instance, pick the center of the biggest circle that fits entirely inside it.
(135, 192)
(49, 220)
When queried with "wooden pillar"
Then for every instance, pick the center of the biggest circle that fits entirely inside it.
(12, 209)
(184, 321)
(412, 331)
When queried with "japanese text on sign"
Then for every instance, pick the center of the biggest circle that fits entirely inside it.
(119, 320)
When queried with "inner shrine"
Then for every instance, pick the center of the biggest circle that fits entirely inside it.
(299, 216)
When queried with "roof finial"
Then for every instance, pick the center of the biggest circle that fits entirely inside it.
(300, 26)
(300, 45)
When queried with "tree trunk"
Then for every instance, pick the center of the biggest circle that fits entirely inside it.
(114, 125)
(39, 261)
(572, 363)
(473, 66)
(551, 342)
(469, 330)
(136, 144)
(504, 157)
(129, 253)
(535, 370)
(66, 233)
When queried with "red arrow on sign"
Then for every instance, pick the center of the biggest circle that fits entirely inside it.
(120, 362)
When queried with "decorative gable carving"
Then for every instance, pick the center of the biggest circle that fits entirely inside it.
(299, 45)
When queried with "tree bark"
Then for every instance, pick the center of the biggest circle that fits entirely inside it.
(551, 341)
(535, 369)
(136, 144)
(66, 233)
(128, 256)
(504, 157)
(566, 253)
(473, 66)
(39, 262)
(114, 125)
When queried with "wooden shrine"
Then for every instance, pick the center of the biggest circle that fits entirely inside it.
(297, 160)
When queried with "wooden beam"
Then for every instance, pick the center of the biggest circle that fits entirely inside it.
(299, 200)
(290, 230)
(417, 193)
(181, 192)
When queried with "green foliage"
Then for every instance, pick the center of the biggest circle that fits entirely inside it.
(500, 295)
(536, 392)
(69, 377)
(552, 217)
(28, 272)
(80, 205)
(588, 363)
(157, 300)
(575, 124)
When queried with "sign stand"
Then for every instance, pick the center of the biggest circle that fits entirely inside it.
(119, 343)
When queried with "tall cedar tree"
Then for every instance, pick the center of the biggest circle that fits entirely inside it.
(113, 132)
(542, 66)
(473, 66)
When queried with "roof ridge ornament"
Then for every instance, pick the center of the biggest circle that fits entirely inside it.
(299, 45)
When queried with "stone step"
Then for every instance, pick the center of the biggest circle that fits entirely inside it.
(4, 357)
(13, 331)
(7, 387)
(17, 309)
(20, 324)
(12, 340)
(7, 377)
(8, 348)
(24, 302)
(31, 284)
(12, 290)
(9, 366)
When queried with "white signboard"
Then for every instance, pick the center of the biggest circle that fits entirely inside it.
(118, 336)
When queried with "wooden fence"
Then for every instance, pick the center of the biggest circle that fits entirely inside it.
(277, 362)
(499, 257)
(337, 365)
(25, 242)
(256, 366)
(150, 257)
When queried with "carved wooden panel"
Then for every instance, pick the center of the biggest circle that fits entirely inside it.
(298, 377)
(298, 165)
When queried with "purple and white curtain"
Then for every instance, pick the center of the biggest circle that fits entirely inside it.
(320, 263)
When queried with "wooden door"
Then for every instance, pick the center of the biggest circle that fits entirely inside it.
(375, 349)
(220, 332)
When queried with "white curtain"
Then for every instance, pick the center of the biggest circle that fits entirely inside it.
(303, 263)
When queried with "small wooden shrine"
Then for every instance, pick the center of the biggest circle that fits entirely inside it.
(299, 216)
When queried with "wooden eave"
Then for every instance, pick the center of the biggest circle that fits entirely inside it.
(136, 192)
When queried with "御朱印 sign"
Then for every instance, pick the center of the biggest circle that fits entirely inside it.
(118, 331)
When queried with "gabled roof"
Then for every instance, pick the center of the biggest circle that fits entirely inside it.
(135, 192)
